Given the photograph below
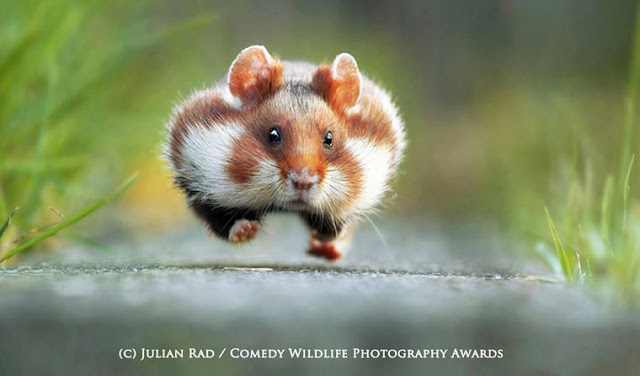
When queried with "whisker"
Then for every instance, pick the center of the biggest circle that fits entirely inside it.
(384, 242)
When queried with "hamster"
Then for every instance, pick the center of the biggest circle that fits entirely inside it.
(284, 136)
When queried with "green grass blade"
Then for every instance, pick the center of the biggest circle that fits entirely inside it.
(560, 250)
(38, 176)
(3, 203)
(8, 222)
(625, 194)
(72, 220)
(606, 215)
(13, 54)
(589, 274)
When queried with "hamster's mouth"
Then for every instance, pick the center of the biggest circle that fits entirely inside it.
(297, 204)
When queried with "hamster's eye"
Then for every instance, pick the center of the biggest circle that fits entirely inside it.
(328, 139)
(274, 136)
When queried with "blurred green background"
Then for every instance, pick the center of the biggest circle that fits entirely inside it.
(510, 106)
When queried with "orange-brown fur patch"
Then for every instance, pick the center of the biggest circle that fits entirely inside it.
(372, 123)
(339, 94)
(246, 154)
(291, 159)
(203, 110)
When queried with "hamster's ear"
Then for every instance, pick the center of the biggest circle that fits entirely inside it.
(340, 83)
(254, 74)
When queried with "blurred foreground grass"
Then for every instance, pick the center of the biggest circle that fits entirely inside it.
(600, 244)
(64, 131)
(86, 87)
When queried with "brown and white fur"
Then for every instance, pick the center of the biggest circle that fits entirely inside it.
(234, 168)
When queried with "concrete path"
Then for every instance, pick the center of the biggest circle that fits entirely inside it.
(423, 288)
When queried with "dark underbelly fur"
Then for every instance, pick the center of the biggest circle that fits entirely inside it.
(220, 219)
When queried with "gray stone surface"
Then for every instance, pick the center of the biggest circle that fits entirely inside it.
(422, 287)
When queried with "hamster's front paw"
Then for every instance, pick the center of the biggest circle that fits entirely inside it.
(324, 249)
(243, 231)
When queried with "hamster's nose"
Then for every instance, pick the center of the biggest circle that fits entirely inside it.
(303, 180)
(303, 184)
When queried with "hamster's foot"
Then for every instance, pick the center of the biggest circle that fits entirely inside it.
(324, 249)
(243, 231)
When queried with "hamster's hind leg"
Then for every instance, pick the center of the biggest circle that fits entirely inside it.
(329, 240)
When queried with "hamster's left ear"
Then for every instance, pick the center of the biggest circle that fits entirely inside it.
(340, 83)
(254, 74)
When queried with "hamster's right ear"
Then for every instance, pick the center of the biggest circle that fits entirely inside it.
(254, 74)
